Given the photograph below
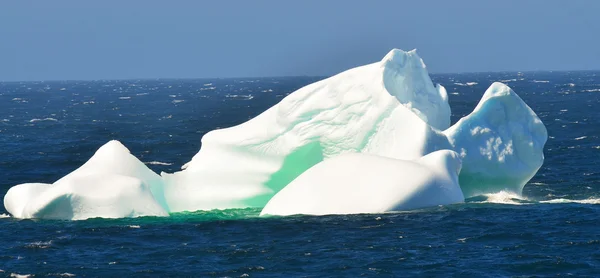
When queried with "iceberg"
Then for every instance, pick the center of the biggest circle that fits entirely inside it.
(360, 183)
(389, 108)
(501, 143)
(111, 184)
(385, 121)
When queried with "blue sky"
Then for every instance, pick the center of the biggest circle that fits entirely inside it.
(78, 40)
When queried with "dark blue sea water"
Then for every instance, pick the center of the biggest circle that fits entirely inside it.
(48, 129)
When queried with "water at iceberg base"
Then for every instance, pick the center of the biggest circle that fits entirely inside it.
(550, 229)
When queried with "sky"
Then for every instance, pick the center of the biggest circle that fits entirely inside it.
(89, 40)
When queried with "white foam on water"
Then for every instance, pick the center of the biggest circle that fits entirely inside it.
(504, 197)
(541, 81)
(40, 244)
(466, 84)
(124, 97)
(66, 274)
(158, 163)
(580, 138)
(590, 201)
(4, 215)
(43, 120)
(248, 97)
(175, 101)
(16, 275)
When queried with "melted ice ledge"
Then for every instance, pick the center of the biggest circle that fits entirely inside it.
(388, 111)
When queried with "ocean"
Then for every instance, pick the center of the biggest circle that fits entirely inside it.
(48, 129)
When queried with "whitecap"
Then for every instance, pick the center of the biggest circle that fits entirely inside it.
(16, 275)
(508, 80)
(158, 163)
(39, 244)
(592, 90)
(66, 274)
(4, 215)
(42, 120)
(541, 81)
(591, 201)
(580, 138)
(504, 197)
(248, 97)
(175, 101)
(134, 226)
(124, 97)
(466, 84)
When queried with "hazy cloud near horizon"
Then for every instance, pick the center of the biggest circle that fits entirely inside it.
(58, 40)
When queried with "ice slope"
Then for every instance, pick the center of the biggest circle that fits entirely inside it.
(389, 108)
(361, 183)
(111, 184)
(501, 143)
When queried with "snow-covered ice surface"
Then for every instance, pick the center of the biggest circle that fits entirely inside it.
(360, 183)
(389, 110)
(501, 143)
(111, 184)
(381, 109)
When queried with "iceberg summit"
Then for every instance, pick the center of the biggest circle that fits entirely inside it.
(371, 139)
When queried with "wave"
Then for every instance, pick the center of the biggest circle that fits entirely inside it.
(590, 201)
(4, 215)
(502, 197)
(248, 97)
(158, 163)
(466, 84)
(16, 275)
(43, 120)
(510, 198)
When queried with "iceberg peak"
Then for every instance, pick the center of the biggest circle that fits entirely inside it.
(399, 58)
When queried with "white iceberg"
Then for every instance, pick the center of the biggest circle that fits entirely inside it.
(501, 143)
(389, 111)
(389, 108)
(360, 183)
(111, 184)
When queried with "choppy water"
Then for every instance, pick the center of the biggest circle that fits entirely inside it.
(48, 129)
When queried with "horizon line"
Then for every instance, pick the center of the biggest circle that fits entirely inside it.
(281, 76)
